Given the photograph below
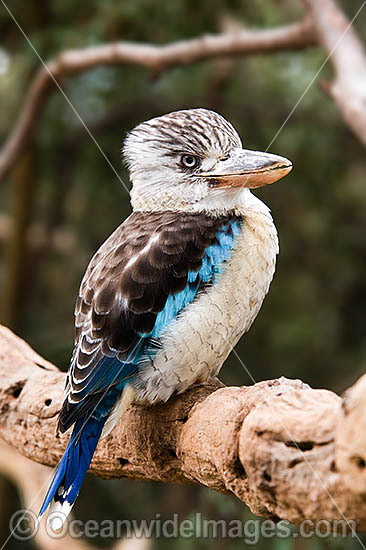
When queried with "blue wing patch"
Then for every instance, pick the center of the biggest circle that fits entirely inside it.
(112, 372)
(212, 264)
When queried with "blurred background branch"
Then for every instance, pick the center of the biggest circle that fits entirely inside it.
(325, 27)
(156, 58)
(30, 480)
(347, 54)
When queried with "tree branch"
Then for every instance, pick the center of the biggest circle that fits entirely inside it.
(157, 58)
(283, 448)
(347, 55)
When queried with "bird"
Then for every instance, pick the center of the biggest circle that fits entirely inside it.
(168, 295)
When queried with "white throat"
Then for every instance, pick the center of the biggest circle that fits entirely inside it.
(201, 199)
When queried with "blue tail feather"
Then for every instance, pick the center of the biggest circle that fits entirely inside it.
(74, 464)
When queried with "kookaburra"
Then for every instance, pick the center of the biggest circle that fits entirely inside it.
(168, 295)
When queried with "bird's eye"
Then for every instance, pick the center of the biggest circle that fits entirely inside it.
(189, 161)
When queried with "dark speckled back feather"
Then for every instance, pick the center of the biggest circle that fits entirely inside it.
(124, 283)
(127, 284)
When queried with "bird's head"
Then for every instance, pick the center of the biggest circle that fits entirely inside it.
(193, 160)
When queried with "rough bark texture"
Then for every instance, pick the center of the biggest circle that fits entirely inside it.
(283, 448)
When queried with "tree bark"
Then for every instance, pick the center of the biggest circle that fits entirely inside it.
(283, 448)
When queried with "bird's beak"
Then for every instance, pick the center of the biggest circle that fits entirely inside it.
(245, 168)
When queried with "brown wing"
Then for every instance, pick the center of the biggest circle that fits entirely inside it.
(125, 286)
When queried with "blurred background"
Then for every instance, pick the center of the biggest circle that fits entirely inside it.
(62, 200)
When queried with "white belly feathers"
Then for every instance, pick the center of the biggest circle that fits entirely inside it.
(195, 346)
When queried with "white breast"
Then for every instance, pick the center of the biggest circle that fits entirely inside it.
(195, 346)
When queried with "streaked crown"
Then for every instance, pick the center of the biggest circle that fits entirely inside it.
(197, 131)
